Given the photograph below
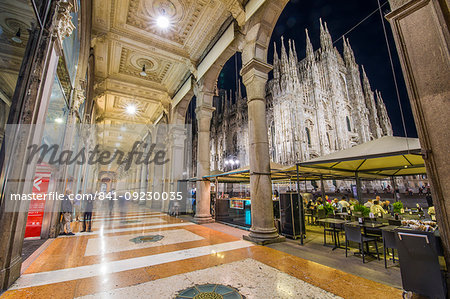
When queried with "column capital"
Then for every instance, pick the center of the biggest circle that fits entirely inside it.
(256, 67)
(255, 75)
(177, 136)
(204, 111)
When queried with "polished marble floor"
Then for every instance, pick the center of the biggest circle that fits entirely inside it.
(159, 260)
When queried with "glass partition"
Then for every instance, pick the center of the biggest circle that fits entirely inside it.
(17, 18)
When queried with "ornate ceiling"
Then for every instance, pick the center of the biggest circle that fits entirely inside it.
(126, 37)
(13, 15)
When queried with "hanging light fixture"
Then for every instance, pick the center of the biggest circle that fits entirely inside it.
(16, 38)
(143, 73)
(131, 109)
(163, 21)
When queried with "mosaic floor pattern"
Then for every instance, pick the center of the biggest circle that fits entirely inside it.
(249, 277)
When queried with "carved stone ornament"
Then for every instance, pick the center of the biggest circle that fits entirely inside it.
(79, 99)
(63, 26)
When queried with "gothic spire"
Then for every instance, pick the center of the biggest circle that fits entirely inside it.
(295, 51)
(239, 91)
(293, 66)
(366, 83)
(325, 38)
(385, 122)
(309, 47)
(349, 56)
(276, 63)
(284, 57)
(284, 67)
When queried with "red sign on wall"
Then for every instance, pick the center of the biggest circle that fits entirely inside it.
(36, 208)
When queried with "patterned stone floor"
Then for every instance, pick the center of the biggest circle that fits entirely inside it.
(108, 264)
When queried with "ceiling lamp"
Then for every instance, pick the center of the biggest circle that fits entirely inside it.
(16, 38)
(131, 109)
(143, 73)
(117, 144)
(163, 22)
(59, 120)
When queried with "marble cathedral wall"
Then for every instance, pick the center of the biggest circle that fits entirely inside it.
(321, 104)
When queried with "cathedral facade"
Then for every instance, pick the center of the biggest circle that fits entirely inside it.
(321, 104)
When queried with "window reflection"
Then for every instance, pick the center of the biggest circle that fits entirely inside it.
(17, 18)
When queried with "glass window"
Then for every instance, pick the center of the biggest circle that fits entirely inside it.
(308, 136)
(71, 46)
(55, 122)
(16, 19)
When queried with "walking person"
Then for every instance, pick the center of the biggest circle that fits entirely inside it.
(66, 209)
(87, 217)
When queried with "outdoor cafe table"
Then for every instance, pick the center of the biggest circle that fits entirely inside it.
(367, 224)
(333, 224)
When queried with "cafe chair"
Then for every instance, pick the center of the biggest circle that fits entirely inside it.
(388, 242)
(321, 214)
(353, 234)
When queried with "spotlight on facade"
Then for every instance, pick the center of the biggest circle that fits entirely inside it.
(236, 162)
(163, 22)
(226, 162)
(16, 38)
(131, 109)
(59, 120)
(143, 73)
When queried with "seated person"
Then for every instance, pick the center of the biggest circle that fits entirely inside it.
(319, 201)
(377, 209)
(344, 203)
(368, 204)
(432, 213)
(387, 206)
(336, 205)
(353, 201)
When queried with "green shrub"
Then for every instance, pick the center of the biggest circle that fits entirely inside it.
(361, 209)
(398, 206)
(327, 207)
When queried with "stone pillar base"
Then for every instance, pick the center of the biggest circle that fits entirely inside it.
(202, 219)
(264, 236)
(9, 275)
(260, 241)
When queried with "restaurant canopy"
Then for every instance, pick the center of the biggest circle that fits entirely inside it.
(383, 157)
(378, 159)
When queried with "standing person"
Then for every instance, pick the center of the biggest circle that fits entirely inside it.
(111, 201)
(397, 194)
(66, 209)
(194, 203)
(77, 206)
(429, 199)
(87, 218)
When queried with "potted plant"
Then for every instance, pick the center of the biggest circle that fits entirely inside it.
(398, 207)
(328, 208)
(360, 211)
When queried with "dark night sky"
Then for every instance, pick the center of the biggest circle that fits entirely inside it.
(367, 41)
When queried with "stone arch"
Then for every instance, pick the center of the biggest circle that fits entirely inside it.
(208, 82)
(259, 30)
